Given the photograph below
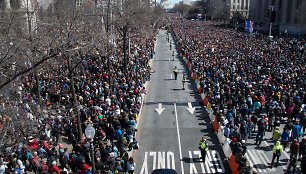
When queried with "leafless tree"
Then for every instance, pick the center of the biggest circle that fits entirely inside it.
(63, 33)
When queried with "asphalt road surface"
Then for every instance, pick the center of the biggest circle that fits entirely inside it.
(170, 140)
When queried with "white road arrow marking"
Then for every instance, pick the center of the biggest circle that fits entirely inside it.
(190, 108)
(160, 108)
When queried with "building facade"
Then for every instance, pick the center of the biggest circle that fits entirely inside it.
(23, 12)
(289, 15)
(239, 6)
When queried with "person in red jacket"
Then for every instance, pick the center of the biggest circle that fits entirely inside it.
(84, 167)
(54, 169)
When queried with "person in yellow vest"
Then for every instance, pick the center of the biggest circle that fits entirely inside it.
(203, 148)
(277, 151)
(175, 72)
(184, 81)
(276, 134)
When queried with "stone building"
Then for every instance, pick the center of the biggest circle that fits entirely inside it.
(239, 6)
(20, 13)
(289, 15)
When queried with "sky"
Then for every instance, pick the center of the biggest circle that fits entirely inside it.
(174, 1)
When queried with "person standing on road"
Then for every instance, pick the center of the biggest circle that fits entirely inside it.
(184, 81)
(131, 165)
(276, 135)
(261, 131)
(203, 148)
(172, 55)
(277, 151)
(294, 149)
(297, 130)
(175, 72)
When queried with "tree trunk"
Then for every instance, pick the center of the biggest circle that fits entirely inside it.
(38, 90)
(124, 47)
(75, 102)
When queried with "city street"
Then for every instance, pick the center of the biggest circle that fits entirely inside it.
(171, 139)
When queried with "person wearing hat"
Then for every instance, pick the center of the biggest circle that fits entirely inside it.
(203, 148)
(276, 134)
(277, 151)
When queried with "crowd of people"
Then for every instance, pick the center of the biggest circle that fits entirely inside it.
(254, 84)
(109, 96)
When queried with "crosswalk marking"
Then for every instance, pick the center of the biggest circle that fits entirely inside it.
(266, 160)
(260, 162)
(255, 160)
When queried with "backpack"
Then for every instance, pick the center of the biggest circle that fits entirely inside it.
(278, 152)
(296, 130)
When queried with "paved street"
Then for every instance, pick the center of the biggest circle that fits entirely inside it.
(170, 140)
(260, 157)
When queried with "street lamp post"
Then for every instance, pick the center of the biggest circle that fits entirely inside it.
(90, 134)
(272, 16)
(236, 17)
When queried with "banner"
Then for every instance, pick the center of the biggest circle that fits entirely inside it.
(249, 26)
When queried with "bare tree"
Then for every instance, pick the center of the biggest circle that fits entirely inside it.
(60, 33)
(129, 15)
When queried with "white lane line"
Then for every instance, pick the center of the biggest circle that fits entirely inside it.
(217, 158)
(210, 162)
(171, 76)
(265, 160)
(207, 163)
(251, 164)
(179, 139)
(192, 168)
(284, 152)
(257, 161)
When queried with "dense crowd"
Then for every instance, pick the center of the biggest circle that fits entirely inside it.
(109, 96)
(255, 85)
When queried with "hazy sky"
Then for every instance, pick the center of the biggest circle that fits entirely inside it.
(174, 1)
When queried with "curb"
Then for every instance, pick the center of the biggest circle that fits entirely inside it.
(218, 129)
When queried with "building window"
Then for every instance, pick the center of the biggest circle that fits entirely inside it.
(242, 5)
(78, 3)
